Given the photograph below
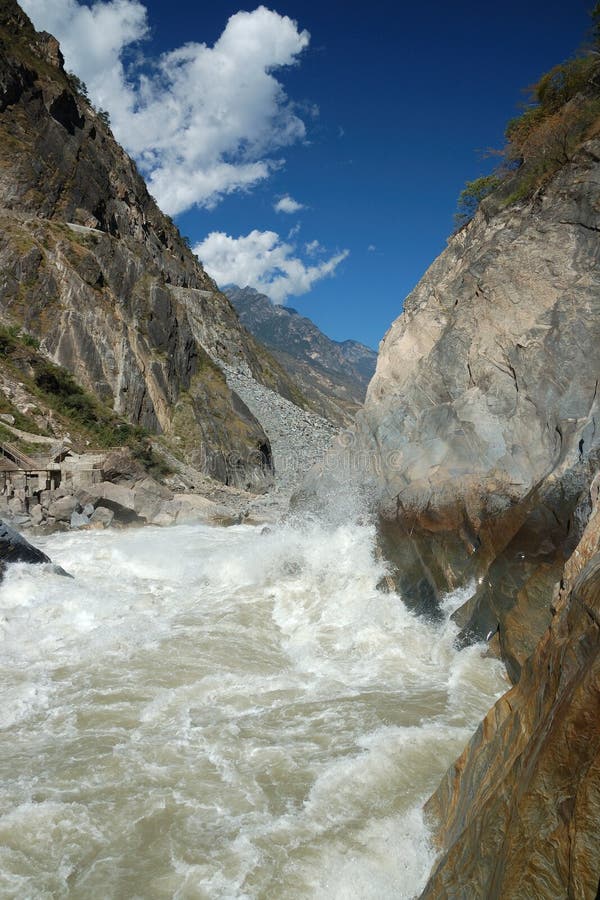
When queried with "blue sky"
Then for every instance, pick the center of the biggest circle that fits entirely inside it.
(373, 129)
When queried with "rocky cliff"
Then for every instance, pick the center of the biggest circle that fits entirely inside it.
(518, 813)
(91, 268)
(333, 375)
(479, 435)
(478, 447)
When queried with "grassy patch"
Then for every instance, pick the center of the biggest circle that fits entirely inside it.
(29, 449)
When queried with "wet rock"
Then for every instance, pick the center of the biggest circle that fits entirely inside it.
(518, 815)
(15, 548)
(79, 520)
(37, 514)
(21, 520)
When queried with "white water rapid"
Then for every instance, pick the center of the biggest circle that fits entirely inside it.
(219, 713)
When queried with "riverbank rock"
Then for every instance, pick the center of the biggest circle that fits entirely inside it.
(518, 815)
(479, 435)
(15, 548)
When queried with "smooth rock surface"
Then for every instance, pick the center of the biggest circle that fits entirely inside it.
(518, 814)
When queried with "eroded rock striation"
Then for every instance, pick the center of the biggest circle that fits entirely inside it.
(517, 815)
(479, 435)
(92, 268)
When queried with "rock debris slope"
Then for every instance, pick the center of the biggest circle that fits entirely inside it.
(298, 437)
(91, 268)
(333, 375)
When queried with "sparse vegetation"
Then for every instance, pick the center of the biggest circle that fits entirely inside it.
(78, 84)
(63, 394)
(154, 464)
(11, 337)
(7, 437)
(472, 195)
(90, 422)
(562, 110)
(104, 116)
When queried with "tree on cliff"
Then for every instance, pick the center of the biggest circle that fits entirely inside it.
(472, 195)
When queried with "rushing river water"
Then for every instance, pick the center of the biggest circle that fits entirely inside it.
(219, 713)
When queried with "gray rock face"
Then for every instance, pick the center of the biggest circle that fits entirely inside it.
(480, 429)
(489, 378)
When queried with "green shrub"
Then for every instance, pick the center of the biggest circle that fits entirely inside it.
(78, 84)
(562, 111)
(30, 341)
(472, 195)
(154, 464)
(104, 116)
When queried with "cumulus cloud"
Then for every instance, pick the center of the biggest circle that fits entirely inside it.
(201, 121)
(263, 261)
(287, 204)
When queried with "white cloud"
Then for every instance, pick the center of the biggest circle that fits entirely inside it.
(371, 248)
(263, 261)
(312, 248)
(201, 121)
(287, 204)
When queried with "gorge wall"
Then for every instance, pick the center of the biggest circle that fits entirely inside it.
(478, 447)
(518, 814)
(333, 375)
(479, 436)
(92, 269)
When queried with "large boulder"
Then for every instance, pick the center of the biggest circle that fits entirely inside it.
(15, 548)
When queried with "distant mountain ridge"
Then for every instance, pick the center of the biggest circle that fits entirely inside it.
(333, 375)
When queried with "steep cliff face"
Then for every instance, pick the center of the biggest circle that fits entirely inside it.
(517, 815)
(480, 429)
(91, 267)
(333, 375)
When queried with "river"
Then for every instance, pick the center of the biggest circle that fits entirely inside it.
(223, 713)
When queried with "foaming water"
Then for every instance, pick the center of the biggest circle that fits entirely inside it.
(220, 713)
